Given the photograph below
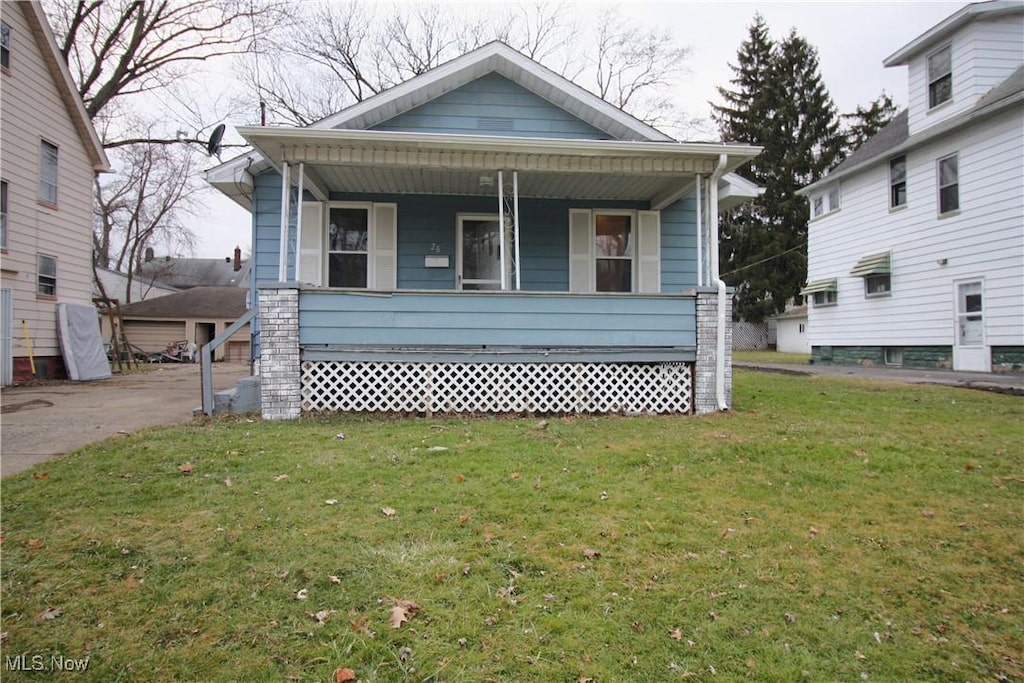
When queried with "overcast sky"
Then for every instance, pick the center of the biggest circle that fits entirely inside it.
(852, 38)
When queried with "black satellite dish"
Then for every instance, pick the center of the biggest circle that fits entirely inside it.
(213, 146)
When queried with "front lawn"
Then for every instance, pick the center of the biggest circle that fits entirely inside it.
(827, 529)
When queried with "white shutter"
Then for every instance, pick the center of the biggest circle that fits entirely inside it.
(581, 259)
(649, 252)
(311, 255)
(384, 274)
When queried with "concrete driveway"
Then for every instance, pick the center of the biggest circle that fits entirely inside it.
(44, 421)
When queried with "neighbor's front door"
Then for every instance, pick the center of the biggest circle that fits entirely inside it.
(479, 257)
(970, 352)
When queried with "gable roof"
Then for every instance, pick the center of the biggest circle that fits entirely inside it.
(499, 58)
(198, 302)
(65, 85)
(894, 138)
(950, 25)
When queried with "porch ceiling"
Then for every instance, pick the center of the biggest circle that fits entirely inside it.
(422, 163)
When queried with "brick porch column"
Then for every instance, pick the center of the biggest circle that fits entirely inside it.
(280, 374)
(707, 338)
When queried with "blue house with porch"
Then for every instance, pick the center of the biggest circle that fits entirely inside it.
(487, 237)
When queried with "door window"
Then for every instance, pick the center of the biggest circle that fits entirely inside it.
(970, 323)
(481, 253)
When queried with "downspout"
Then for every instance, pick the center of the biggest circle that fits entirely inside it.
(713, 254)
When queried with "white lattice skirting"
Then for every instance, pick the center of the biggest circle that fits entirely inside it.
(373, 386)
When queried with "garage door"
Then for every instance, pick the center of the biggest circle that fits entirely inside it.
(153, 336)
(237, 352)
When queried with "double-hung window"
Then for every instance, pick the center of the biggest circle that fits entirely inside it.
(898, 182)
(613, 249)
(5, 45)
(3, 214)
(940, 76)
(949, 184)
(48, 173)
(348, 252)
(46, 275)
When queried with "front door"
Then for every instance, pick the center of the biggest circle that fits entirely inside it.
(970, 353)
(479, 255)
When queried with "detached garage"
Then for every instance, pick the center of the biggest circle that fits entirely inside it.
(197, 315)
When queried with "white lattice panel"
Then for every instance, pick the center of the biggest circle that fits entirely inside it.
(367, 386)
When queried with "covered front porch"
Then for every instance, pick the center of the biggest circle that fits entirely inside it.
(451, 273)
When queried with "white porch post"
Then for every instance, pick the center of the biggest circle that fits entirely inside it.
(282, 266)
(700, 236)
(515, 228)
(298, 224)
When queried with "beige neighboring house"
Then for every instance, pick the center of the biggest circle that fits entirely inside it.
(49, 156)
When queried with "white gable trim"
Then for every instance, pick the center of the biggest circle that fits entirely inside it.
(947, 26)
(502, 59)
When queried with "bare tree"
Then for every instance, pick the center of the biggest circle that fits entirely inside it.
(334, 54)
(144, 205)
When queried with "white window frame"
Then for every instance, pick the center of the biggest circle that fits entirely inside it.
(634, 235)
(829, 297)
(4, 213)
(48, 173)
(366, 206)
(893, 183)
(878, 277)
(935, 79)
(5, 45)
(834, 198)
(940, 187)
(827, 201)
(50, 278)
(817, 206)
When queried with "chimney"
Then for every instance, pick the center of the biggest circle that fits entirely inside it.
(238, 259)
(149, 254)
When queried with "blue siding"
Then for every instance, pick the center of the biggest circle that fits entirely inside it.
(266, 202)
(493, 105)
(460, 319)
(679, 246)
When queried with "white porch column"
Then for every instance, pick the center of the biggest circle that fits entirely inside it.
(286, 187)
(280, 372)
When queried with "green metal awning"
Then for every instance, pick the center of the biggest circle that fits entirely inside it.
(876, 264)
(827, 285)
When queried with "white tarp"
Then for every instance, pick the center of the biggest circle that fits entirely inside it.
(79, 328)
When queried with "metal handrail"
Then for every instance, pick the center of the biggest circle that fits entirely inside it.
(207, 358)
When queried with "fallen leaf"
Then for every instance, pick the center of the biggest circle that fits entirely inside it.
(404, 653)
(591, 554)
(403, 611)
(388, 512)
(344, 675)
(463, 519)
(281, 477)
(51, 613)
(487, 534)
(334, 579)
(320, 616)
(727, 532)
(543, 424)
(676, 634)
(550, 597)
(340, 436)
(463, 642)
(857, 452)
(638, 626)
(185, 469)
(40, 475)
(460, 478)
(859, 655)
(302, 594)
(515, 475)
(331, 501)
(35, 543)
(437, 449)
(228, 482)
(928, 513)
(812, 532)
(361, 625)
(584, 679)
(790, 618)
(604, 495)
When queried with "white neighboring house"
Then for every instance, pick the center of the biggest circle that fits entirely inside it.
(916, 241)
(791, 331)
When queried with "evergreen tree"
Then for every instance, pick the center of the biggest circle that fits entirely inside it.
(864, 122)
(778, 101)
